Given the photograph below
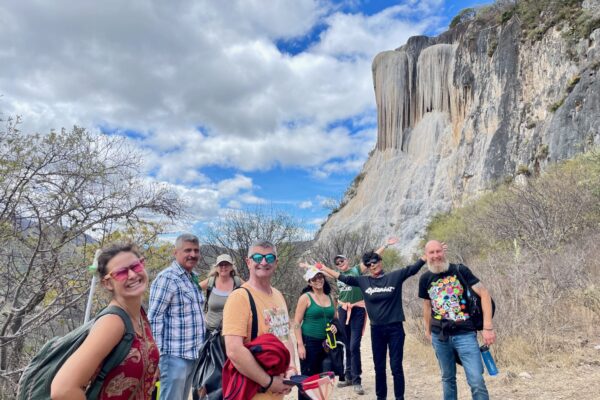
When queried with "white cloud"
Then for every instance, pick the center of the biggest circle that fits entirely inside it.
(305, 204)
(203, 83)
(231, 187)
(167, 69)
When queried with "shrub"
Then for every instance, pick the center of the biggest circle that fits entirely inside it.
(556, 105)
(465, 15)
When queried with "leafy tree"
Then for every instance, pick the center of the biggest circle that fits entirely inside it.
(55, 191)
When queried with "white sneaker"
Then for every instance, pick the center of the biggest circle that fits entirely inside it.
(358, 389)
(343, 384)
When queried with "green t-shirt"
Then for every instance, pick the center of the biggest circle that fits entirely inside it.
(349, 294)
(316, 319)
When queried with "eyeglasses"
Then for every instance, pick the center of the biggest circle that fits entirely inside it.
(340, 261)
(121, 274)
(257, 258)
(317, 277)
(372, 262)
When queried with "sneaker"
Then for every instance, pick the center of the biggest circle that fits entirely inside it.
(358, 389)
(343, 384)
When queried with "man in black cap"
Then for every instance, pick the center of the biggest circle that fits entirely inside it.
(352, 315)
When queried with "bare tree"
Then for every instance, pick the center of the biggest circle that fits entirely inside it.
(350, 243)
(235, 232)
(55, 191)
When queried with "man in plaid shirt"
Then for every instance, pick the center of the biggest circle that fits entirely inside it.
(175, 314)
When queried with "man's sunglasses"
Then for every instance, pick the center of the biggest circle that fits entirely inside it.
(121, 274)
(269, 258)
(340, 261)
(372, 262)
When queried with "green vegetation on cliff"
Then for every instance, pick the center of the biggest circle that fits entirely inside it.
(535, 16)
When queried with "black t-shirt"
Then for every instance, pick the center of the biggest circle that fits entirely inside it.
(383, 295)
(446, 294)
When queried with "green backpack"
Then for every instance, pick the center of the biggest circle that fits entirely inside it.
(36, 379)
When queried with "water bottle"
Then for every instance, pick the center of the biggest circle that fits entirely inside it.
(330, 337)
(488, 360)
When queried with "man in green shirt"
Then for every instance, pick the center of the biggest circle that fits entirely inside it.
(351, 312)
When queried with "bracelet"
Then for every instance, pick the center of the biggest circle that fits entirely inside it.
(488, 329)
(264, 389)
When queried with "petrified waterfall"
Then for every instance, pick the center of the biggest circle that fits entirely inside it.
(459, 113)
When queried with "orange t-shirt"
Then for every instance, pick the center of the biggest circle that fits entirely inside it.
(272, 316)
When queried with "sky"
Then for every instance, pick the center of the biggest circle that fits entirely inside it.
(235, 104)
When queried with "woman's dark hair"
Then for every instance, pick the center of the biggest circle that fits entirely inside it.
(110, 251)
(370, 256)
(326, 287)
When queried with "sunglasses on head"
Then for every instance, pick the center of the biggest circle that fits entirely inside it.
(372, 262)
(269, 258)
(121, 274)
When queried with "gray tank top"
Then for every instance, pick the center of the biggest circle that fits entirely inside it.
(216, 303)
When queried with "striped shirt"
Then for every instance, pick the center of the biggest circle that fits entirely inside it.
(175, 313)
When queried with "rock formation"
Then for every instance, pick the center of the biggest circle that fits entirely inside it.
(464, 111)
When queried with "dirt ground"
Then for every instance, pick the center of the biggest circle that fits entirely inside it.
(423, 378)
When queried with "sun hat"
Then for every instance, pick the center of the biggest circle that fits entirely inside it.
(311, 273)
(223, 257)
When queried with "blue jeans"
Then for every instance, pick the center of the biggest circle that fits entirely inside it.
(468, 349)
(382, 337)
(175, 377)
(353, 334)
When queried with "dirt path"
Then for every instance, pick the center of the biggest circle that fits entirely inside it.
(423, 379)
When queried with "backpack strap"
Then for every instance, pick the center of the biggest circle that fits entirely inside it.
(462, 280)
(254, 332)
(209, 287)
(237, 282)
(117, 355)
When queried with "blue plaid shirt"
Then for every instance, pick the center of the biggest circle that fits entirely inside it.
(175, 313)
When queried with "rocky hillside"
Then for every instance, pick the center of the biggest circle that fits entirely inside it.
(500, 96)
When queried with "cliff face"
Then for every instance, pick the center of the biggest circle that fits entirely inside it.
(468, 109)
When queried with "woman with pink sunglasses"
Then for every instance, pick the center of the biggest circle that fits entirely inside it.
(122, 273)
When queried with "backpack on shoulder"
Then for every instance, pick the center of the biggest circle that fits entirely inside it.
(38, 375)
(473, 301)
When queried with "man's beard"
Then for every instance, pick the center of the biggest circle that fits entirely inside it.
(441, 266)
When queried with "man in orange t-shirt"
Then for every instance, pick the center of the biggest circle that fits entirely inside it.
(272, 316)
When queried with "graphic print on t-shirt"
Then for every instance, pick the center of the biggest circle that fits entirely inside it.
(342, 287)
(278, 322)
(447, 301)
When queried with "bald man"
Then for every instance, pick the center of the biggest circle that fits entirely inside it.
(447, 323)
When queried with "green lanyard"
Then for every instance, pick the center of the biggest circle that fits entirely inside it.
(194, 279)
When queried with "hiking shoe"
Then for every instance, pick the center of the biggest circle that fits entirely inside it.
(358, 389)
(343, 384)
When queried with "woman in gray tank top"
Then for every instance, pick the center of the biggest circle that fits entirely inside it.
(220, 283)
